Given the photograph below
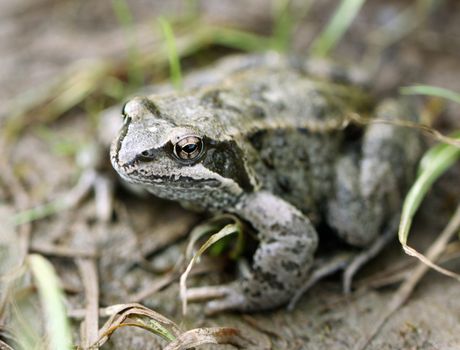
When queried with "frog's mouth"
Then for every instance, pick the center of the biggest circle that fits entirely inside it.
(132, 173)
(173, 180)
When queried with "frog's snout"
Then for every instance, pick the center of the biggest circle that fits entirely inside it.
(139, 107)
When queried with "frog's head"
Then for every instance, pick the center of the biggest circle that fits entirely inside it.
(176, 157)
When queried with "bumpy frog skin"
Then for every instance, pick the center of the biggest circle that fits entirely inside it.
(266, 137)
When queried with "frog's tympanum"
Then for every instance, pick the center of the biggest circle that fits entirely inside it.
(268, 140)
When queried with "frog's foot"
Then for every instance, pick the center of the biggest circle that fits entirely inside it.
(322, 269)
(350, 262)
(220, 298)
(367, 254)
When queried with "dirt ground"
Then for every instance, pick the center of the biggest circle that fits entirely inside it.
(43, 40)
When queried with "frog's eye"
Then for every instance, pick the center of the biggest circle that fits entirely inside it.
(188, 148)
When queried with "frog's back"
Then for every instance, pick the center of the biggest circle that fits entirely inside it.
(277, 92)
(290, 126)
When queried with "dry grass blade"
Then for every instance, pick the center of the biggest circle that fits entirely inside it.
(412, 252)
(137, 315)
(74, 86)
(88, 272)
(227, 230)
(215, 335)
(405, 290)
(57, 324)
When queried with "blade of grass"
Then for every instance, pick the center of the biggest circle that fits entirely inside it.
(430, 156)
(431, 91)
(227, 230)
(236, 39)
(283, 25)
(287, 15)
(336, 28)
(213, 225)
(442, 158)
(173, 56)
(125, 18)
(137, 315)
(435, 162)
(51, 296)
(39, 212)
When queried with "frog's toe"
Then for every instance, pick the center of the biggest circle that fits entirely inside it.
(220, 298)
(367, 254)
(321, 270)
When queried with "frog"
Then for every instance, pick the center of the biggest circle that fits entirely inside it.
(269, 139)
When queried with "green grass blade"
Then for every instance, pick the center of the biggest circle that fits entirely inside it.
(51, 296)
(125, 18)
(123, 13)
(431, 91)
(430, 156)
(440, 159)
(283, 26)
(173, 56)
(338, 25)
(239, 39)
(152, 326)
(227, 230)
(39, 212)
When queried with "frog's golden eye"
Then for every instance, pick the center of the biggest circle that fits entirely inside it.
(188, 148)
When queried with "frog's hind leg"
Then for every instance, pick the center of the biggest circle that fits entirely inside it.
(280, 264)
(370, 184)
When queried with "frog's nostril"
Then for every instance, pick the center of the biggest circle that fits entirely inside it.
(147, 155)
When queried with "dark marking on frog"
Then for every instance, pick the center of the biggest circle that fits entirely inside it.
(225, 158)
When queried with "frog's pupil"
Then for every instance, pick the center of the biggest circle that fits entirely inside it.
(189, 148)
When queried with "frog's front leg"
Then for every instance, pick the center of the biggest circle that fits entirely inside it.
(281, 263)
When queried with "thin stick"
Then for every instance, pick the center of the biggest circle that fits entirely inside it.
(90, 326)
